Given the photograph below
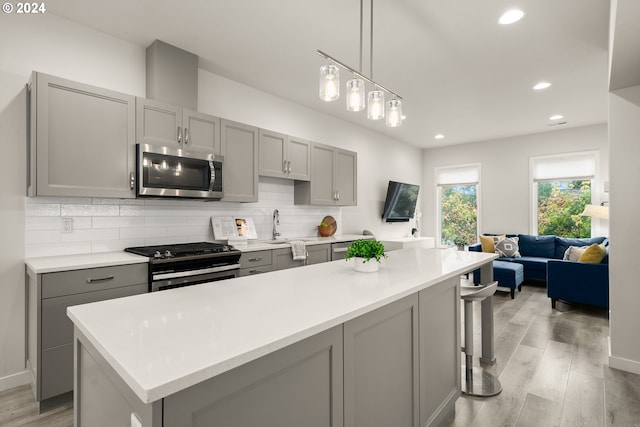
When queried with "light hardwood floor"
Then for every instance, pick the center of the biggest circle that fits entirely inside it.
(552, 365)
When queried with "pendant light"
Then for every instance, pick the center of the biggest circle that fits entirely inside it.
(329, 83)
(394, 113)
(355, 87)
(355, 94)
(375, 108)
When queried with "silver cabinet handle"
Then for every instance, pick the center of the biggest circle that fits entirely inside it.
(289, 166)
(284, 166)
(132, 180)
(256, 271)
(255, 259)
(101, 279)
(179, 135)
(186, 136)
(337, 195)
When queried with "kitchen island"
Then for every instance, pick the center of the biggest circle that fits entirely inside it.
(317, 345)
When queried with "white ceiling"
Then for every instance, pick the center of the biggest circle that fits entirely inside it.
(459, 72)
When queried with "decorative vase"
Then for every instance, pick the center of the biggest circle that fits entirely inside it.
(365, 267)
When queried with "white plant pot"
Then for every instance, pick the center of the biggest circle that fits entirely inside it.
(365, 267)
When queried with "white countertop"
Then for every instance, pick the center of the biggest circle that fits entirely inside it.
(49, 264)
(164, 342)
(259, 245)
(76, 262)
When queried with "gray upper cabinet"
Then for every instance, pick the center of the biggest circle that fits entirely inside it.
(239, 144)
(201, 131)
(82, 140)
(283, 156)
(164, 124)
(345, 181)
(333, 178)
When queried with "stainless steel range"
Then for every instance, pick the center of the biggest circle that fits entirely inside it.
(185, 264)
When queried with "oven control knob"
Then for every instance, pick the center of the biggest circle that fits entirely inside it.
(225, 248)
(168, 254)
(157, 255)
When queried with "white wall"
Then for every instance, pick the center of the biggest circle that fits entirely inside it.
(56, 46)
(379, 158)
(505, 184)
(624, 290)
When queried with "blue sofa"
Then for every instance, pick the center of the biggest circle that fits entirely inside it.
(571, 281)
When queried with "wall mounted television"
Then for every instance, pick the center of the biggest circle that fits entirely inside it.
(400, 204)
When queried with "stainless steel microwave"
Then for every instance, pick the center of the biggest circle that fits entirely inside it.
(169, 172)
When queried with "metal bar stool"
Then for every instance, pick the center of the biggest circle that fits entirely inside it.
(476, 382)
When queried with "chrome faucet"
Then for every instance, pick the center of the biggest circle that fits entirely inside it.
(276, 222)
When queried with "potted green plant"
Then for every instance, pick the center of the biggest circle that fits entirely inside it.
(363, 251)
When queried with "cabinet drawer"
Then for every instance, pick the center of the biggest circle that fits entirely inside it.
(56, 371)
(57, 328)
(92, 279)
(250, 271)
(255, 259)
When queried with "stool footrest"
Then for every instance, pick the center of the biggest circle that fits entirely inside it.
(480, 383)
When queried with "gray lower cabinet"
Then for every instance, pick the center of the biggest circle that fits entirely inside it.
(439, 351)
(240, 170)
(381, 375)
(283, 258)
(316, 254)
(159, 123)
(398, 365)
(300, 385)
(82, 140)
(50, 331)
(256, 262)
(333, 178)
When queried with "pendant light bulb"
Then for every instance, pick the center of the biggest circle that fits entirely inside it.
(394, 113)
(355, 94)
(329, 83)
(375, 110)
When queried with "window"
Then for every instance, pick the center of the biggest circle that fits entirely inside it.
(457, 204)
(561, 188)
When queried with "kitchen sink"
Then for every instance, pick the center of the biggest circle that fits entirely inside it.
(289, 240)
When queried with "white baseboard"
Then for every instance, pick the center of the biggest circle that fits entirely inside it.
(15, 380)
(623, 364)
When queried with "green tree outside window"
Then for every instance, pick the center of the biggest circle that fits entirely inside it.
(560, 204)
(459, 213)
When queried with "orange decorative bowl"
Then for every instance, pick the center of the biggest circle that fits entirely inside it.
(325, 230)
(330, 228)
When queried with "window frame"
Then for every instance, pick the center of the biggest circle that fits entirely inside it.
(533, 187)
(438, 193)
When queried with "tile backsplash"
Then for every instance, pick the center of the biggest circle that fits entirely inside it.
(103, 225)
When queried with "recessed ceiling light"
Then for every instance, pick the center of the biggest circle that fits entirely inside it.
(439, 136)
(556, 117)
(541, 85)
(511, 16)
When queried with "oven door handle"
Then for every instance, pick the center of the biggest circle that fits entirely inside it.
(196, 272)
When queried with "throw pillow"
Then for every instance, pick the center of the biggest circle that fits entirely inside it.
(594, 254)
(573, 253)
(508, 247)
(488, 242)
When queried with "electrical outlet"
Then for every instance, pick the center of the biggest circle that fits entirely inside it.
(67, 225)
